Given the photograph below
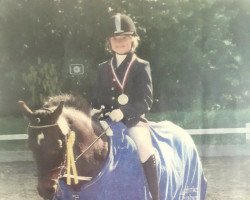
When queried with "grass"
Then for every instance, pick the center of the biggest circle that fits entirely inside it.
(12, 125)
(205, 119)
(16, 145)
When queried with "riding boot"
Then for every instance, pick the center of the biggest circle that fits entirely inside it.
(150, 171)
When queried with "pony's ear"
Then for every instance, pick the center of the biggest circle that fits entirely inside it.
(26, 111)
(58, 111)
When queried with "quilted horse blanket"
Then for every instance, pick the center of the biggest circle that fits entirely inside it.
(122, 178)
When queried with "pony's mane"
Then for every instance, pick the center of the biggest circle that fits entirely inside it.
(74, 101)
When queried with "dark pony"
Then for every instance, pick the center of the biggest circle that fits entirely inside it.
(77, 160)
(48, 132)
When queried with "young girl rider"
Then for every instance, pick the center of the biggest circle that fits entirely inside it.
(124, 89)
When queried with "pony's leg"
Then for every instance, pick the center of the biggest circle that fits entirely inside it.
(142, 138)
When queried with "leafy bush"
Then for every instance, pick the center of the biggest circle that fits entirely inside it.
(41, 81)
(205, 119)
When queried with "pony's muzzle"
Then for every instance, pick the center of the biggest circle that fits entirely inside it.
(47, 188)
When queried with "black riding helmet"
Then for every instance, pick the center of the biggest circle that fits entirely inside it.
(120, 24)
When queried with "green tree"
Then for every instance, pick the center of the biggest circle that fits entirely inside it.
(198, 49)
(41, 81)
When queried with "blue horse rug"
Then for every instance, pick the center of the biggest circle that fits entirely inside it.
(122, 178)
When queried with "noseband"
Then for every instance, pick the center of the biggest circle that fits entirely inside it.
(44, 126)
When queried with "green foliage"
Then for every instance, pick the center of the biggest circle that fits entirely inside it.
(41, 81)
(198, 50)
(201, 119)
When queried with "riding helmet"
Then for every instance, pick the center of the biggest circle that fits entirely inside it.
(120, 24)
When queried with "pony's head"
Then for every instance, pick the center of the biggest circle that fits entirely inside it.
(48, 134)
(46, 139)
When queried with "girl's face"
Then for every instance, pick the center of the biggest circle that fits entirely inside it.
(121, 44)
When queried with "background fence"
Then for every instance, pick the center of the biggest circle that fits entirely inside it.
(206, 150)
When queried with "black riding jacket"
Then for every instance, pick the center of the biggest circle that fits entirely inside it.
(138, 88)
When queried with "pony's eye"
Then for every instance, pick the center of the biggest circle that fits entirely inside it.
(38, 120)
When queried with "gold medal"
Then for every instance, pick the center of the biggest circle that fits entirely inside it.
(123, 99)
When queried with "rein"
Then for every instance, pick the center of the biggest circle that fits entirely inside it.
(92, 144)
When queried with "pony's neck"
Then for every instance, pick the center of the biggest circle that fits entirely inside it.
(91, 162)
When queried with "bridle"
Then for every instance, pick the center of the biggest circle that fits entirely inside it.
(63, 166)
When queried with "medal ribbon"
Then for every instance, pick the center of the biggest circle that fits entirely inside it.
(121, 85)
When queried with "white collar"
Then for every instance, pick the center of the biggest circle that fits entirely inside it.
(119, 59)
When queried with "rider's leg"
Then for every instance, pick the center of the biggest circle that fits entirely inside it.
(142, 138)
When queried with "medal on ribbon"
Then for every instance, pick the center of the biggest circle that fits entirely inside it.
(123, 98)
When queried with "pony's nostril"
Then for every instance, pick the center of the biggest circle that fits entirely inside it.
(47, 193)
(51, 190)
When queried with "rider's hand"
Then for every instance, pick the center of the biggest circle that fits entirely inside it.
(116, 115)
(95, 113)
